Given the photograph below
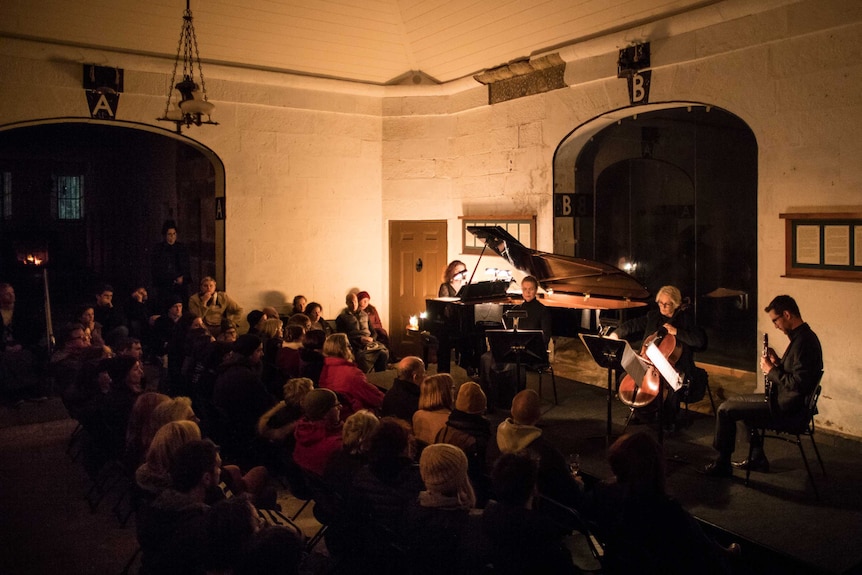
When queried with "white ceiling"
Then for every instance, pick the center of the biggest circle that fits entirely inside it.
(370, 41)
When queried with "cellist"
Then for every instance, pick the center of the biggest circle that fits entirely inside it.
(677, 320)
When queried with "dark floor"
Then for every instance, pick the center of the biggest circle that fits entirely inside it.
(47, 527)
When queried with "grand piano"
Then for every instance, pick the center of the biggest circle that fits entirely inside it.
(577, 290)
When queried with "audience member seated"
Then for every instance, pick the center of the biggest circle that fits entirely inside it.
(402, 399)
(520, 432)
(314, 311)
(380, 492)
(300, 319)
(111, 319)
(288, 358)
(229, 528)
(65, 367)
(364, 303)
(142, 427)
(276, 550)
(240, 395)
(111, 410)
(311, 355)
(19, 337)
(164, 326)
(521, 539)
(278, 423)
(86, 316)
(213, 306)
(369, 353)
(442, 529)
(643, 528)
(469, 429)
(255, 319)
(318, 433)
(436, 402)
(345, 463)
(188, 329)
(153, 475)
(138, 314)
(228, 332)
(171, 529)
(272, 335)
(342, 376)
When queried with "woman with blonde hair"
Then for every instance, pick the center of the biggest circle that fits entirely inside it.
(342, 376)
(153, 476)
(436, 402)
(278, 422)
(140, 432)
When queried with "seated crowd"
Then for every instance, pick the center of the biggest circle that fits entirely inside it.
(412, 479)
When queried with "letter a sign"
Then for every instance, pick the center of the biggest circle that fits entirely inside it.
(639, 84)
(102, 104)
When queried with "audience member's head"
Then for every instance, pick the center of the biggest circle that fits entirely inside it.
(318, 404)
(276, 550)
(313, 310)
(254, 318)
(167, 441)
(300, 319)
(294, 390)
(127, 372)
(526, 407)
(357, 430)
(313, 339)
(227, 331)
(412, 369)
(167, 227)
(513, 478)
(294, 332)
(230, 526)
(437, 392)
(72, 336)
(299, 304)
(247, 345)
(130, 346)
(271, 327)
(391, 440)
(471, 399)
(196, 464)
(140, 432)
(637, 462)
(177, 409)
(337, 345)
(444, 472)
(271, 312)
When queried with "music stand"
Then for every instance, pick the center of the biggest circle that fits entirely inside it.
(510, 345)
(608, 354)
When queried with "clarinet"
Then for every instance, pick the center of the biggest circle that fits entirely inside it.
(767, 385)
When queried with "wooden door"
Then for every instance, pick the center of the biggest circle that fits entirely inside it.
(417, 259)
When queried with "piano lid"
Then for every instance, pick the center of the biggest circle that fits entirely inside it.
(563, 274)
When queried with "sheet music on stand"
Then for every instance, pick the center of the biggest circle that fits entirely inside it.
(636, 366)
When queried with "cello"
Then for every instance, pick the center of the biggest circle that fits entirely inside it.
(640, 394)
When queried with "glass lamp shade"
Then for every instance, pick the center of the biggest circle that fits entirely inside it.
(197, 104)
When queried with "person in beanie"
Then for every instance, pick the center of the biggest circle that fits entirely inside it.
(318, 433)
(469, 429)
(442, 529)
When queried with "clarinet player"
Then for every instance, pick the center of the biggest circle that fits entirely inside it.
(792, 379)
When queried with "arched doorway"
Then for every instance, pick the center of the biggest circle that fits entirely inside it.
(96, 195)
(670, 194)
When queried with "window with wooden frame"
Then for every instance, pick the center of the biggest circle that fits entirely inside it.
(522, 228)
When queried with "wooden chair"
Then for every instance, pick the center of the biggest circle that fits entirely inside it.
(792, 432)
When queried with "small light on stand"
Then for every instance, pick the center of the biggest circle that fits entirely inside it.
(193, 104)
(36, 256)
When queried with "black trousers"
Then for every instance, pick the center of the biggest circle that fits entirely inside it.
(751, 409)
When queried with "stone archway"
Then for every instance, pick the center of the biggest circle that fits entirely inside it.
(134, 176)
(670, 192)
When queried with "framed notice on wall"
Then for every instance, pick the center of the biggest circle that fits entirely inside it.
(824, 245)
